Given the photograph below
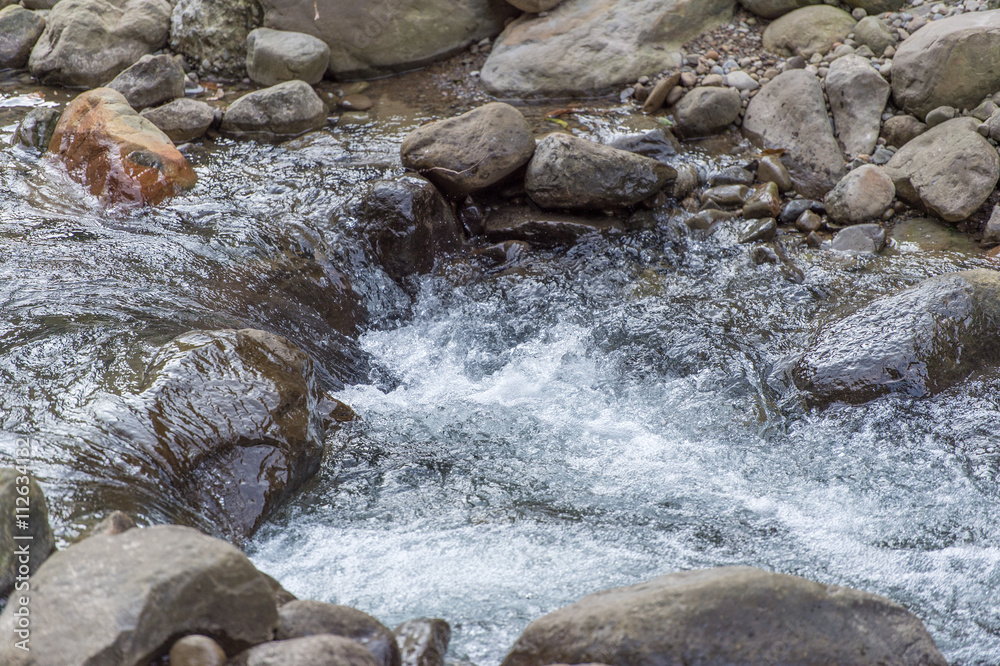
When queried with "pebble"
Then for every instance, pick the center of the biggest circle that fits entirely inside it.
(741, 81)
(689, 79)
(859, 13)
(713, 80)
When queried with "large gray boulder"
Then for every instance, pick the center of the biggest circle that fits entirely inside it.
(808, 30)
(918, 342)
(152, 81)
(407, 223)
(949, 170)
(948, 62)
(298, 619)
(182, 119)
(372, 38)
(772, 9)
(212, 34)
(274, 56)
(155, 584)
(707, 110)
(860, 196)
(587, 46)
(725, 616)
(280, 112)
(569, 172)
(789, 113)
(86, 43)
(319, 650)
(472, 151)
(19, 31)
(26, 538)
(857, 95)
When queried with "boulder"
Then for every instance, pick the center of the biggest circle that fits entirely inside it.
(472, 151)
(274, 56)
(182, 119)
(729, 615)
(857, 96)
(423, 642)
(918, 342)
(212, 34)
(872, 32)
(900, 130)
(35, 130)
(19, 31)
(86, 43)
(951, 61)
(119, 155)
(152, 81)
(707, 110)
(276, 113)
(230, 423)
(298, 619)
(24, 546)
(322, 650)
(860, 239)
(772, 9)
(950, 170)
(156, 584)
(196, 650)
(376, 38)
(789, 113)
(584, 47)
(860, 196)
(569, 172)
(408, 224)
(874, 7)
(808, 30)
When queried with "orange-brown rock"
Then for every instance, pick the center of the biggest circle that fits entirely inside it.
(122, 157)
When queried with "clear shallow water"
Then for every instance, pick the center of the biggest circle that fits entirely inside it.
(583, 419)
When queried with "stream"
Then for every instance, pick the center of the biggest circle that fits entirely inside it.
(575, 419)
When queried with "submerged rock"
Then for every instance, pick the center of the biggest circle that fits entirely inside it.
(212, 34)
(319, 650)
(86, 43)
(860, 239)
(423, 642)
(918, 342)
(151, 81)
(472, 151)
(298, 619)
(724, 616)
(155, 584)
(573, 173)
(21, 498)
(19, 31)
(544, 228)
(280, 112)
(119, 155)
(36, 129)
(587, 46)
(274, 56)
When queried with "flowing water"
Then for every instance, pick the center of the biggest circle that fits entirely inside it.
(576, 419)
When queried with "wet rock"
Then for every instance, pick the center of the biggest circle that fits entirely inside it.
(17, 487)
(369, 38)
(872, 32)
(298, 619)
(36, 129)
(212, 34)
(771, 170)
(763, 229)
(408, 224)
(727, 195)
(587, 46)
(119, 155)
(543, 228)
(772, 9)
(156, 583)
(794, 209)
(86, 43)
(808, 30)
(182, 120)
(789, 113)
(569, 172)
(860, 196)
(733, 175)
(356, 103)
(276, 113)
(686, 181)
(275, 56)
(858, 95)
(19, 31)
(900, 130)
(658, 144)
(950, 170)
(991, 235)
(321, 650)
(116, 523)
(918, 342)
(196, 650)
(152, 81)
(764, 202)
(706, 219)
(860, 239)
(423, 642)
(729, 615)
(948, 62)
(808, 222)
(705, 111)
(472, 151)
(658, 97)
